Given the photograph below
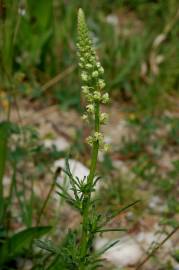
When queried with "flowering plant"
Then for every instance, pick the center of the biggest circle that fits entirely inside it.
(76, 250)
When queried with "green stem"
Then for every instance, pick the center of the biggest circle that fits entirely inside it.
(141, 264)
(47, 198)
(87, 199)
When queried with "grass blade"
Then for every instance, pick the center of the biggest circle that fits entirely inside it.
(4, 128)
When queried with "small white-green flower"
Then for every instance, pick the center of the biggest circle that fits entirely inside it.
(103, 118)
(105, 98)
(84, 117)
(106, 147)
(101, 70)
(88, 66)
(85, 89)
(90, 108)
(90, 98)
(97, 96)
(82, 59)
(92, 59)
(89, 140)
(80, 65)
(101, 84)
(87, 55)
(98, 137)
(84, 76)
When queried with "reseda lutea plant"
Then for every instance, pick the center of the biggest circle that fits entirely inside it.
(91, 75)
(76, 250)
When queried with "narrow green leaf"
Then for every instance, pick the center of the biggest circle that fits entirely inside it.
(107, 246)
(4, 128)
(117, 212)
(111, 230)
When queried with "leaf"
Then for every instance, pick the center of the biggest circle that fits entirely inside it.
(15, 245)
(106, 247)
(117, 212)
(111, 230)
(46, 245)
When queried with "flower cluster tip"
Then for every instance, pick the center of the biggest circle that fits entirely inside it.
(92, 78)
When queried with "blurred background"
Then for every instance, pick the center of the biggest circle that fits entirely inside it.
(138, 42)
(40, 98)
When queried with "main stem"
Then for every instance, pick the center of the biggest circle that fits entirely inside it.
(87, 199)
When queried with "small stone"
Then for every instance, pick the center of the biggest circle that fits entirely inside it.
(61, 144)
(125, 253)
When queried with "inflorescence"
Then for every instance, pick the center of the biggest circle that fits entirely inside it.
(92, 77)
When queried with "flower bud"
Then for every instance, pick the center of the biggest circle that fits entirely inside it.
(89, 97)
(87, 55)
(88, 66)
(92, 59)
(82, 59)
(101, 70)
(81, 65)
(95, 74)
